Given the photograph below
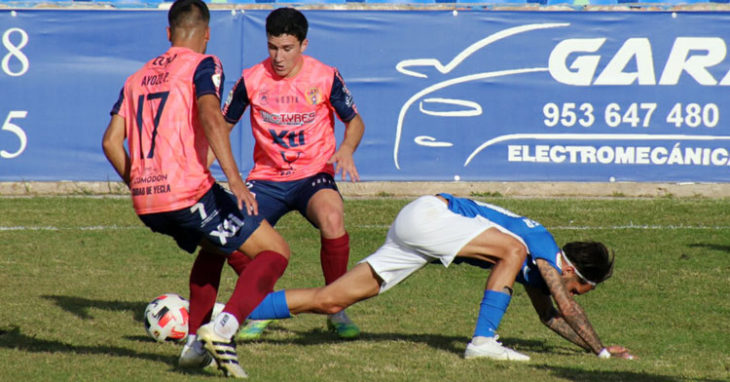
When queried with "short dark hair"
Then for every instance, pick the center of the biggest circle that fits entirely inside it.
(184, 11)
(287, 21)
(593, 259)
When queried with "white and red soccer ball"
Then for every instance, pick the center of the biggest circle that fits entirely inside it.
(166, 317)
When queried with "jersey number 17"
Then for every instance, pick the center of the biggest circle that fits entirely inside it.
(162, 96)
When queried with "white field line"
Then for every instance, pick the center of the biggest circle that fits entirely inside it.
(629, 226)
(641, 227)
(88, 228)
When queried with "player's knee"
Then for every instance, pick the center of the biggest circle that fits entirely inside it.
(327, 303)
(332, 223)
(282, 247)
(332, 309)
(276, 242)
(516, 256)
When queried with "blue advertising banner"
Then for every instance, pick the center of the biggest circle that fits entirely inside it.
(60, 74)
(468, 95)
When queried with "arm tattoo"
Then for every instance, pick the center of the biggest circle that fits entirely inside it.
(551, 317)
(558, 325)
(572, 313)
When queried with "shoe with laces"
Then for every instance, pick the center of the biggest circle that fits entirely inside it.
(223, 350)
(489, 347)
(343, 326)
(253, 329)
(194, 356)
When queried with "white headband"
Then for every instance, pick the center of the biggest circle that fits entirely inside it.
(577, 272)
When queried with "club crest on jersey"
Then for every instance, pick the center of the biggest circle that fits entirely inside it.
(313, 96)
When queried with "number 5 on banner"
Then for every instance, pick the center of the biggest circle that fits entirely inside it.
(15, 129)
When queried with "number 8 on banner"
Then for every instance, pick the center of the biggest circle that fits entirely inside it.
(15, 51)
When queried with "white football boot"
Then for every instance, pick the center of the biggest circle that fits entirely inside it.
(194, 356)
(489, 347)
(223, 350)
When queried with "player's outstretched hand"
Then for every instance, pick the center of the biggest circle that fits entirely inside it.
(342, 159)
(244, 197)
(620, 352)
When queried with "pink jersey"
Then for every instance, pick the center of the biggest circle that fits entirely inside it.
(292, 119)
(167, 145)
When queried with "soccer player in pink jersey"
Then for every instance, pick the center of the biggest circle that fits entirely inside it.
(293, 100)
(168, 113)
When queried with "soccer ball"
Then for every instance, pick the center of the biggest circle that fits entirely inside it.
(166, 318)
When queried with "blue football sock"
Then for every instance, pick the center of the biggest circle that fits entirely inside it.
(491, 310)
(272, 307)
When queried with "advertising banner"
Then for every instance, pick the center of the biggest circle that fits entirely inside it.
(466, 95)
(60, 74)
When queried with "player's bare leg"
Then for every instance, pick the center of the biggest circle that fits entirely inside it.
(358, 284)
(507, 254)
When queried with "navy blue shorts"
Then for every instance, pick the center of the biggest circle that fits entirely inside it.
(214, 217)
(275, 199)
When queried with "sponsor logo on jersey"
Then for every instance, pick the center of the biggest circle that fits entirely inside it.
(290, 156)
(288, 119)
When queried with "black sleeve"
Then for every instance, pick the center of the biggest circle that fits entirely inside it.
(118, 104)
(341, 99)
(236, 103)
(209, 78)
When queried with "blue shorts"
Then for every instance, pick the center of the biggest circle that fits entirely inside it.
(214, 217)
(275, 199)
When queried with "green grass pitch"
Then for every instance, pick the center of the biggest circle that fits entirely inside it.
(77, 272)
